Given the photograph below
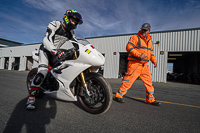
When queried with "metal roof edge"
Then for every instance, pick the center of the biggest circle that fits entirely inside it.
(198, 28)
(32, 44)
(11, 41)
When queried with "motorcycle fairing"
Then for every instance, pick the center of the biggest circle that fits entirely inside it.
(65, 78)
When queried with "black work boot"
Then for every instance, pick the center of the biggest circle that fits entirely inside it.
(120, 100)
(155, 103)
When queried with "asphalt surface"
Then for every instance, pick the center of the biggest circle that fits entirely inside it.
(179, 112)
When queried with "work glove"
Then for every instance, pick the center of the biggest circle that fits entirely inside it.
(142, 56)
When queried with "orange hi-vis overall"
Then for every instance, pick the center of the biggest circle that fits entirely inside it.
(136, 67)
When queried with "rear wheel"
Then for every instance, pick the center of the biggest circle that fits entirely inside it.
(100, 98)
(30, 77)
(29, 80)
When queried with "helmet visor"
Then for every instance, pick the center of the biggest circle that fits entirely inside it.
(76, 16)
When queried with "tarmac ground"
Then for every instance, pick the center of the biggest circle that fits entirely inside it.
(179, 111)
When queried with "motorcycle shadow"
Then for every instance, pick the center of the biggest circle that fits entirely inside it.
(76, 103)
(22, 120)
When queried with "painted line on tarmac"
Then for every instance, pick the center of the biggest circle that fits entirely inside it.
(187, 105)
(11, 78)
(180, 104)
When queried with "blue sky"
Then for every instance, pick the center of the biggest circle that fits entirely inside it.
(25, 21)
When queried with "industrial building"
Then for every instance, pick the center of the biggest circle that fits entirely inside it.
(177, 51)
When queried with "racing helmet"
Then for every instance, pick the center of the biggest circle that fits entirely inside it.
(72, 14)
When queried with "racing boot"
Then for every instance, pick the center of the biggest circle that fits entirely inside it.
(30, 105)
(33, 91)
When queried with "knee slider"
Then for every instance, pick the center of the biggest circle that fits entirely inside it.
(38, 79)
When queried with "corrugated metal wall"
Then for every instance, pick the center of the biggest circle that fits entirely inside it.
(107, 46)
(170, 41)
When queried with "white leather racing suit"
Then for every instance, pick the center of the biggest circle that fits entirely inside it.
(55, 37)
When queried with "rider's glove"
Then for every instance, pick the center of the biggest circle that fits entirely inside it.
(60, 54)
(53, 52)
(57, 53)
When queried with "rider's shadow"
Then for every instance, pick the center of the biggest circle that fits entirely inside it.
(22, 120)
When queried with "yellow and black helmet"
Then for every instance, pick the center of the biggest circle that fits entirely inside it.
(74, 14)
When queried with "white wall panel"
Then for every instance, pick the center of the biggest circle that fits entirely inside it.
(170, 41)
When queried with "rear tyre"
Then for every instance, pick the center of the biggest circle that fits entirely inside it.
(29, 80)
(100, 98)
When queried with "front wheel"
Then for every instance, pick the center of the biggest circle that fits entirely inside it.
(100, 98)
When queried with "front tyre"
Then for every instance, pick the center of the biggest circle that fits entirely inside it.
(100, 98)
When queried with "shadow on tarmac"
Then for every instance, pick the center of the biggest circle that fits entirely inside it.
(22, 120)
(33, 121)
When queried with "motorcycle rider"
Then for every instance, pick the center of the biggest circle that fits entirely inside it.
(56, 35)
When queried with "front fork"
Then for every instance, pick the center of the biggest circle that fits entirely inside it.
(83, 78)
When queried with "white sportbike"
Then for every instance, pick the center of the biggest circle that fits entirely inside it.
(76, 79)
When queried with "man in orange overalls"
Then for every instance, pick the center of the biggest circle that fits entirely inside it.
(140, 51)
